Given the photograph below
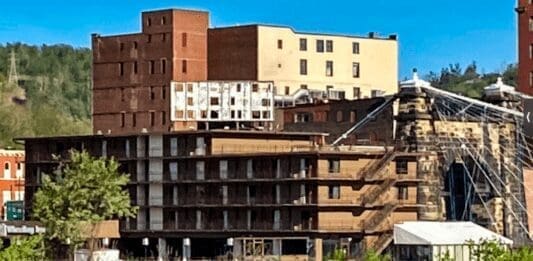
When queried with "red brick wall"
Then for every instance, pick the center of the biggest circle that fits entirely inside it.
(13, 184)
(131, 93)
(232, 53)
(525, 39)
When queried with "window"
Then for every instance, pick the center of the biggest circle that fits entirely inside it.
(329, 46)
(353, 116)
(302, 117)
(163, 37)
(334, 192)
(163, 20)
(303, 86)
(184, 66)
(135, 45)
(122, 119)
(122, 94)
(403, 193)
(355, 70)
(214, 101)
(280, 44)
(329, 68)
(339, 116)
(121, 46)
(152, 93)
(183, 39)
(531, 51)
(149, 40)
(376, 93)
(134, 119)
(255, 87)
(149, 22)
(287, 90)
(151, 67)
(531, 23)
(6, 166)
(163, 118)
(320, 46)
(531, 79)
(355, 48)
(232, 101)
(303, 67)
(334, 165)
(163, 93)
(238, 87)
(152, 118)
(121, 68)
(19, 166)
(265, 102)
(401, 166)
(163, 66)
(190, 101)
(303, 44)
(135, 66)
(356, 93)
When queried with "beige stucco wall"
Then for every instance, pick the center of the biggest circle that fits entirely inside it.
(378, 59)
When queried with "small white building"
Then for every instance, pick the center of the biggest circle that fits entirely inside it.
(427, 240)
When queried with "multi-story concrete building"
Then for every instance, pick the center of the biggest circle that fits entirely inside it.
(12, 178)
(132, 72)
(344, 67)
(525, 46)
(254, 193)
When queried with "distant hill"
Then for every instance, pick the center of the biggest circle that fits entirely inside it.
(470, 82)
(52, 96)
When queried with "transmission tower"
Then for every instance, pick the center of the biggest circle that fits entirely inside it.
(13, 75)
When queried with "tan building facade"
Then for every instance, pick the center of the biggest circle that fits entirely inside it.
(357, 67)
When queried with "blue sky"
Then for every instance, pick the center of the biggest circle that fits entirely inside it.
(432, 34)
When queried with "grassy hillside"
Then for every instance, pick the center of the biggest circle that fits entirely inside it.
(55, 81)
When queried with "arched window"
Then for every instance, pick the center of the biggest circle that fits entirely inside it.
(7, 171)
(6, 166)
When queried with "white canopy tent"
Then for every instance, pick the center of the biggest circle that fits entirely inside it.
(435, 239)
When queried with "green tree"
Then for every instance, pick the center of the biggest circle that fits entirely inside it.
(372, 255)
(82, 191)
(24, 248)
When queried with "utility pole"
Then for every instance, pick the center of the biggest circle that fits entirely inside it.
(13, 75)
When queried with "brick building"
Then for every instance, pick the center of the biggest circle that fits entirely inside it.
(132, 73)
(277, 193)
(525, 46)
(12, 177)
(336, 117)
(344, 67)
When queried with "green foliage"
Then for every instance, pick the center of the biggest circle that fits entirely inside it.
(490, 250)
(24, 248)
(470, 82)
(372, 255)
(337, 255)
(56, 82)
(82, 191)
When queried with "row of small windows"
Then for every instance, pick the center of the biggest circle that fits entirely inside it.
(7, 166)
(234, 114)
(151, 119)
(163, 37)
(151, 67)
(329, 68)
(152, 92)
(162, 21)
(320, 44)
(334, 192)
(7, 170)
(334, 166)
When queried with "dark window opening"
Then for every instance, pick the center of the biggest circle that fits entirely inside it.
(121, 68)
(320, 46)
(184, 66)
(151, 66)
(152, 93)
(135, 67)
(403, 193)
(355, 48)
(303, 44)
(355, 70)
(134, 119)
(163, 118)
(280, 44)
(334, 192)
(303, 67)
(163, 66)
(334, 165)
(152, 118)
(122, 119)
(401, 166)
(329, 68)
(329, 46)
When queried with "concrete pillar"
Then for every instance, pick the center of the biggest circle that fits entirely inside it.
(161, 249)
(186, 249)
(318, 249)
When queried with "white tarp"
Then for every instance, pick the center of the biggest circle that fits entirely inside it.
(443, 233)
